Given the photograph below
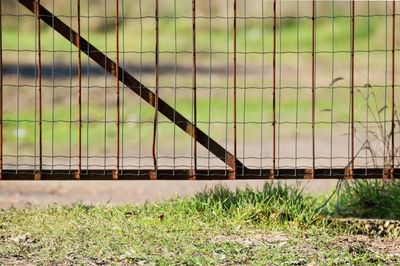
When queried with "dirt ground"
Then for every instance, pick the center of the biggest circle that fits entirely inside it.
(307, 248)
(22, 194)
(310, 247)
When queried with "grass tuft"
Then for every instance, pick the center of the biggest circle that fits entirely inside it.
(370, 199)
(275, 203)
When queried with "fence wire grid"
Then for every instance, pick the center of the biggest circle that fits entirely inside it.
(222, 89)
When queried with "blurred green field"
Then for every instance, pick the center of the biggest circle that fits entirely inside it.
(331, 35)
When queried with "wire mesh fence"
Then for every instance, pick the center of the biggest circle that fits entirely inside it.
(118, 89)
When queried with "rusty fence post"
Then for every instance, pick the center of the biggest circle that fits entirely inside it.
(273, 172)
(39, 80)
(1, 91)
(155, 120)
(352, 89)
(393, 83)
(78, 174)
(234, 84)
(117, 83)
(194, 88)
(313, 89)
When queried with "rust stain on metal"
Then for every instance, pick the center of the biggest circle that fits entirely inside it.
(387, 173)
(309, 173)
(271, 174)
(189, 129)
(348, 173)
(37, 176)
(77, 175)
(191, 175)
(152, 174)
(115, 175)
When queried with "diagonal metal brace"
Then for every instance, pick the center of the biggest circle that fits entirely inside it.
(140, 89)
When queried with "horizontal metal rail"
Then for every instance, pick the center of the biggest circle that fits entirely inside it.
(182, 174)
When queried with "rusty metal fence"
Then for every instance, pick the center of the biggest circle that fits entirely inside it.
(222, 89)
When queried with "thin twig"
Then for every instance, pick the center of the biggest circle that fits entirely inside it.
(340, 181)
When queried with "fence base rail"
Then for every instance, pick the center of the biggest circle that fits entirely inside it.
(187, 174)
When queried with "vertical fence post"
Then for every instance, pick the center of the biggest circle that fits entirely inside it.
(393, 83)
(140, 85)
(87, 51)
(209, 81)
(39, 54)
(234, 84)
(352, 89)
(156, 94)
(194, 87)
(115, 176)
(1, 92)
(313, 88)
(78, 175)
(262, 84)
(272, 175)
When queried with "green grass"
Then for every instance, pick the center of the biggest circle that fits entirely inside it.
(278, 224)
(369, 199)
